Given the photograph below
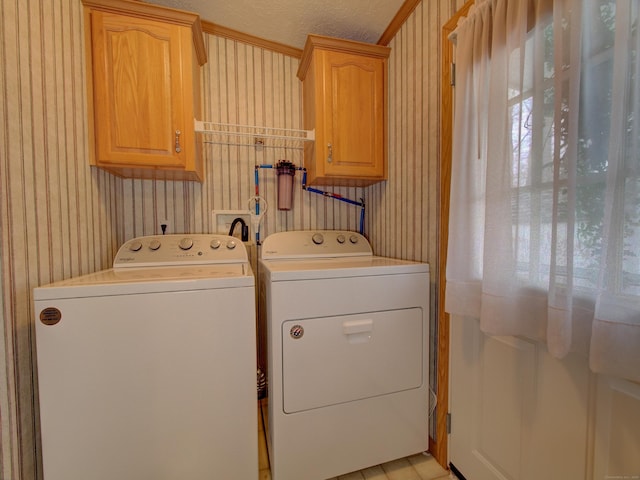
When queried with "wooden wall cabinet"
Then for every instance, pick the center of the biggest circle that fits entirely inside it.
(143, 73)
(345, 102)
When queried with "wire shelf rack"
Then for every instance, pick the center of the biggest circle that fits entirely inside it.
(252, 135)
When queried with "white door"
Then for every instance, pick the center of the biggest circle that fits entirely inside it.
(516, 412)
(617, 431)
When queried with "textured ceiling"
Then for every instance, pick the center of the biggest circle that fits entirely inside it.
(289, 21)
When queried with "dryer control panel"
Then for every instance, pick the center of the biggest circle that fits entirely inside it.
(180, 249)
(315, 244)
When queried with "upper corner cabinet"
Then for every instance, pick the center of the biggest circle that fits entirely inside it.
(344, 87)
(143, 75)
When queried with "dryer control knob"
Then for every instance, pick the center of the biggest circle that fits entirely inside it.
(340, 239)
(231, 244)
(185, 244)
(135, 246)
(317, 238)
(215, 244)
(353, 239)
(154, 244)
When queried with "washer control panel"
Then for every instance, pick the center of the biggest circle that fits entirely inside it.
(178, 249)
(315, 244)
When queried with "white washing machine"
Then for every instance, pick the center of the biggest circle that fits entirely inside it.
(147, 371)
(347, 354)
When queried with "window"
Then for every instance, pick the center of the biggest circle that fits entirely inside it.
(544, 236)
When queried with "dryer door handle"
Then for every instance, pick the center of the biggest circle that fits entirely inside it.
(353, 327)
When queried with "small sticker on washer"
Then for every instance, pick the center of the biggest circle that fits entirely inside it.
(296, 332)
(50, 316)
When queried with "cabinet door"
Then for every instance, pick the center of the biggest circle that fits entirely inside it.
(138, 91)
(353, 117)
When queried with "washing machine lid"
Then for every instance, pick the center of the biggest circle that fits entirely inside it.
(163, 263)
(149, 280)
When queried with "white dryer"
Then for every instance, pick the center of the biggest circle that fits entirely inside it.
(147, 371)
(347, 354)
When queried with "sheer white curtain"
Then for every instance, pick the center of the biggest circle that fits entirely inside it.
(544, 236)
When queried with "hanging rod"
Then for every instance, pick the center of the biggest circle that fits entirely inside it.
(257, 144)
(215, 128)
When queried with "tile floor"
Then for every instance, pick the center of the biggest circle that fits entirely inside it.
(415, 467)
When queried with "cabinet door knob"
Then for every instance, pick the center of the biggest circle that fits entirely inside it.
(330, 156)
(178, 149)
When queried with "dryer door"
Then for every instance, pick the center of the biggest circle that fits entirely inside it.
(332, 360)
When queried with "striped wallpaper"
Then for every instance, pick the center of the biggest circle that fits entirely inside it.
(60, 218)
(403, 213)
(57, 216)
(246, 85)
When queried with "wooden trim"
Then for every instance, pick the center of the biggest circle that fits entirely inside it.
(339, 45)
(198, 42)
(439, 446)
(220, 31)
(398, 21)
(392, 29)
(158, 13)
(143, 10)
(88, 62)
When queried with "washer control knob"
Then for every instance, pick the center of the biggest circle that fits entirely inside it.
(341, 239)
(154, 245)
(215, 244)
(231, 244)
(135, 246)
(185, 244)
(353, 239)
(317, 238)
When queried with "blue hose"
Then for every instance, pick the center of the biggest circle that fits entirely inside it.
(335, 196)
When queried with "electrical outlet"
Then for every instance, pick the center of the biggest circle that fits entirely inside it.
(222, 220)
(164, 226)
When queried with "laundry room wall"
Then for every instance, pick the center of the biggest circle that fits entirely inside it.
(246, 85)
(250, 85)
(57, 215)
(403, 213)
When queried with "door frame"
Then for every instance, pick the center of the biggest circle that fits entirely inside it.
(439, 446)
